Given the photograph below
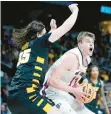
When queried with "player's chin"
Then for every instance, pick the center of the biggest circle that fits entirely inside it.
(90, 53)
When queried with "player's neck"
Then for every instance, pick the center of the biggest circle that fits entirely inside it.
(94, 79)
(83, 54)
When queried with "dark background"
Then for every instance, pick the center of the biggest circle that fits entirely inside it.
(19, 13)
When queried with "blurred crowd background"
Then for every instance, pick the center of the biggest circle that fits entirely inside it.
(92, 17)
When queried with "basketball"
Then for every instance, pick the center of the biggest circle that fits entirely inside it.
(89, 90)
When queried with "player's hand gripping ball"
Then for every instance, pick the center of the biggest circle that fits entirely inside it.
(89, 90)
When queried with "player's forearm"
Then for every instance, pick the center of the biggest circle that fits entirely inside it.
(64, 28)
(69, 23)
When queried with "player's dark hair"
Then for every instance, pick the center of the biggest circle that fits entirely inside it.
(21, 36)
(91, 67)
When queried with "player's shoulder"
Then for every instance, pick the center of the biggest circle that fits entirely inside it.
(69, 56)
(101, 83)
(74, 52)
(47, 35)
(70, 53)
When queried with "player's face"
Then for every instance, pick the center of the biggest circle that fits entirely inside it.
(88, 45)
(42, 33)
(94, 72)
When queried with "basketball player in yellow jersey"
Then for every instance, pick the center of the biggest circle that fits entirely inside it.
(34, 42)
(94, 78)
(62, 78)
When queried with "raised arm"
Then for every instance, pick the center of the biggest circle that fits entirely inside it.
(66, 26)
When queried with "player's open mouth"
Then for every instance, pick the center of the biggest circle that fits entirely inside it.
(91, 49)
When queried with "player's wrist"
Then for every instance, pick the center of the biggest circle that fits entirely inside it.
(72, 90)
(75, 12)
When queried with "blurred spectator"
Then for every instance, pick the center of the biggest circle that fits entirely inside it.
(4, 109)
(104, 76)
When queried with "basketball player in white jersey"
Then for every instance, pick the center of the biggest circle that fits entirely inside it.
(63, 76)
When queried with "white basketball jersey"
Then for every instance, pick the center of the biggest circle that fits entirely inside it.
(69, 77)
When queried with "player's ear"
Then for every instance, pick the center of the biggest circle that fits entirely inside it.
(79, 44)
(38, 34)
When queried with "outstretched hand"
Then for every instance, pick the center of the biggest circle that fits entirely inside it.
(73, 8)
(53, 24)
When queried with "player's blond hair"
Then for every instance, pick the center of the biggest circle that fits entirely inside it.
(84, 34)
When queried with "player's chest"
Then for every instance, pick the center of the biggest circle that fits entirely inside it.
(72, 77)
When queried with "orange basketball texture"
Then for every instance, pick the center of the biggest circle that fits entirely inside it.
(89, 90)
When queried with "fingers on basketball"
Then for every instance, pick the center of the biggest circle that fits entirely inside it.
(88, 92)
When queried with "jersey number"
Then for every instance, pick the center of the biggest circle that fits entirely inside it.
(24, 57)
(75, 80)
